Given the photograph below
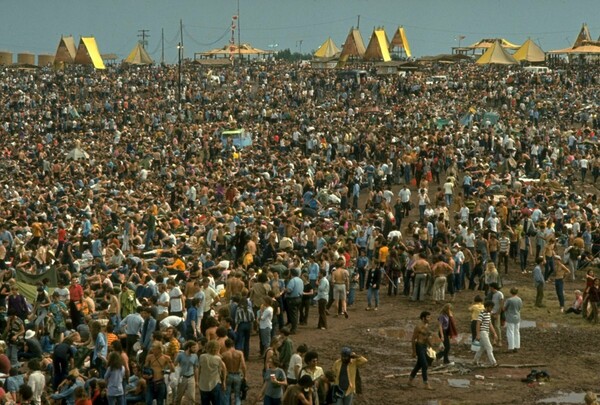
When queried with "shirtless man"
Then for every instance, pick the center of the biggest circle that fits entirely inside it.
(441, 271)
(235, 286)
(236, 370)
(341, 284)
(191, 289)
(158, 361)
(422, 270)
(420, 343)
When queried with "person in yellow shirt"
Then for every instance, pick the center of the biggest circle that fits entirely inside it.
(475, 310)
(384, 251)
(178, 264)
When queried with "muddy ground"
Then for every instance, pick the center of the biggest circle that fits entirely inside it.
(563, 345)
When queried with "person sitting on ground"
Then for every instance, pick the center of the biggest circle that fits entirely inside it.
(577, 303)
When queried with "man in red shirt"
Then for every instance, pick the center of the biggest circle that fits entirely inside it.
(75, 297)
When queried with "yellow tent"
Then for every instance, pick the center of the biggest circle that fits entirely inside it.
(496, 55)
(530, 52)
(584, 35)
(399, 40)
(138, 56)
(327, 50)
(487, 43)
(88, 54)
(378, 47)
(66, 50)
(354, 46)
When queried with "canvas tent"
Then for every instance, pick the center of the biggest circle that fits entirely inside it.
(227, 50)
(530, 52)
(327, 50)
(138, 56)
(496, 55)
(378, 47)
(584, 35)
(583, 44)
(88, 54)
(399, 40)
(354, 46)
(65, 52)
(487, 43)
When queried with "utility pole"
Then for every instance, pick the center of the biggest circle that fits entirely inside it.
(143, 34)
(239, 33)
(162, 41)
(358, 23)
(180, 54)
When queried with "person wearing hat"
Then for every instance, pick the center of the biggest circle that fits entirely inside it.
(66, 389)
(345, 370)
(32, 348)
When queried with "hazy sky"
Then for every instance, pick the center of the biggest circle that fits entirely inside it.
(432, 27)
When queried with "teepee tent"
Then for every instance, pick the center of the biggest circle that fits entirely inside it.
(399, 40)
(354, 46)
(378, 47)
(496, 55)
(530, 52)
(65, 52)
(584, 35)
(327, 50)
(88, 54)
(138, 56)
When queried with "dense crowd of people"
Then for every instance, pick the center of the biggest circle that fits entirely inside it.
(168, 255)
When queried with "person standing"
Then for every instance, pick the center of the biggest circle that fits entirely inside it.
(497, 298)
(373, 283)
(114, 377)
(484, 328)
(345, 370)
(512, 310)
(447, 331)
(236, 370)
(421, 269)
(188, 361)
(158, 362)
(559, 281)
(322, 298)
(295, 289)
(213, 374)
(265, 324)
(341, 284)
(420, 343)
(244, 318)
(538, 281)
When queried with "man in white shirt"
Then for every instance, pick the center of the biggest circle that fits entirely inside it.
(448, 192)
(36, 381)
(404, 195)
(162, 303)
(176, 299)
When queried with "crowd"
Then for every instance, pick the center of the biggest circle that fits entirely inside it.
(170, 247)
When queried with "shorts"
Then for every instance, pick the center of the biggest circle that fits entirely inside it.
(339, 291)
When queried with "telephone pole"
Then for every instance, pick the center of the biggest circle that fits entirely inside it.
(162, 41)
(143, 34)
(358, 22)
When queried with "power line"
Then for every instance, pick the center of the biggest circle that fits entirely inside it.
(188, 35)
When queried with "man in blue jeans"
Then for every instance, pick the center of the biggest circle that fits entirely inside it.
(236, 369)
(345, 370)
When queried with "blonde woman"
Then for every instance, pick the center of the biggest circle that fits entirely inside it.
(490, 276)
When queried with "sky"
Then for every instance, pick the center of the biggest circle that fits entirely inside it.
(432, 26)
